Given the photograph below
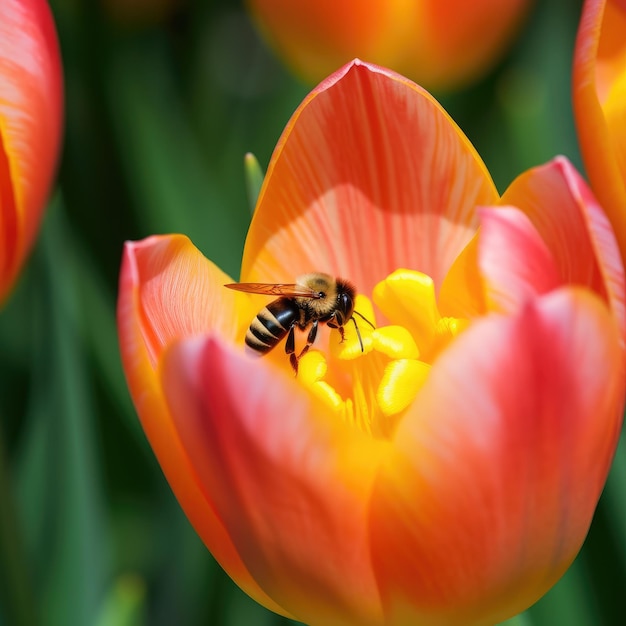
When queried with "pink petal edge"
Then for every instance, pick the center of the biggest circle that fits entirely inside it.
(539, 396)
(289, 483)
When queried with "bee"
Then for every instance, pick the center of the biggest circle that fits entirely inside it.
(312, 300)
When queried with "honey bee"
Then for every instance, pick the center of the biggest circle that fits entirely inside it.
(313, 299)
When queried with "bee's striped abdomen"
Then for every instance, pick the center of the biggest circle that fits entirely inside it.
(271, 325)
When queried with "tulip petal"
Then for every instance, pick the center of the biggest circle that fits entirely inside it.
(30, 126)
(575, 229)
(290, 483)
(167, 289)
(463, 291)
(499, 464)
(515, 262)
(599, 80)
(181, 293)
(370, 175)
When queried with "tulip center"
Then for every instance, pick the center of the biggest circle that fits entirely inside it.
(371, 386)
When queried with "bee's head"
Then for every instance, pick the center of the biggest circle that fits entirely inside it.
(345, 302)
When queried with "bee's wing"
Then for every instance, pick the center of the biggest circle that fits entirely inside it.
(292, 290)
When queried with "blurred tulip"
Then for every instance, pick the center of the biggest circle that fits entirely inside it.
(30, 127)
(600, 105)
(441, 44)
(447, 471)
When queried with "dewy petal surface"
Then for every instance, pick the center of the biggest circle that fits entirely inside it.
(31, 103)
(499, 464)
(599, 97)
(168, 290)
(370, 175)
(290, 482)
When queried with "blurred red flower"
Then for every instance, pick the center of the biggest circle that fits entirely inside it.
(599, 93)
(31, 102)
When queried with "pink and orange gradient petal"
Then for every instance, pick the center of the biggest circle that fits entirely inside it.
(31, 105)
(167, 291)
(494, 487)
(182, 293)
(370, 175)
(575, 228)
(476, 498)
(515, 262)
(599, 96)
(290, 483)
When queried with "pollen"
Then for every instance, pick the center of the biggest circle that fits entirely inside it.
(371, 381)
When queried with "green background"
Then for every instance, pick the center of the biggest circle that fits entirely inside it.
(159, 116)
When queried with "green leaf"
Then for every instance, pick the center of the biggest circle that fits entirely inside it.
(570, 601)
(99, 333)
(169, 177)
(523, 619)
(60, 486)
(17, 603)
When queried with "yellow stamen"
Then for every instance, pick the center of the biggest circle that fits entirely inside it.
(399, 385)
(407, 298)
(395, 342)
(371, 382)
(311, 371)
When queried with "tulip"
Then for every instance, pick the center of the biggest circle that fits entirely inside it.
(30, 127)
(441, 44)
(443, 468)
(599, 91)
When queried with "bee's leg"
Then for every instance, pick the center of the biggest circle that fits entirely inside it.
(337, 327)
(309, 340)
(290, 348)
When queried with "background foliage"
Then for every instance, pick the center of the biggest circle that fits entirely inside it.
(160, 110)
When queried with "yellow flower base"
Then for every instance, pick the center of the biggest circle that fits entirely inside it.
(371, 387)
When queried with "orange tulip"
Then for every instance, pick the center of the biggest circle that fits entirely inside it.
(446, 472)
(441, 44)
(600, 105)
(30, 127)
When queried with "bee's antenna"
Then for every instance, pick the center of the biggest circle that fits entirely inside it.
(364, 318)
(358, 333)
(356, 327)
